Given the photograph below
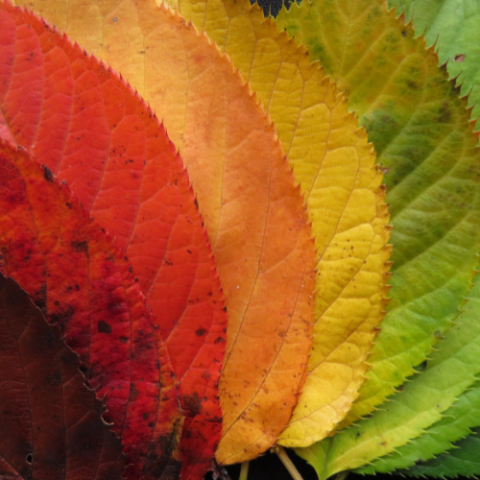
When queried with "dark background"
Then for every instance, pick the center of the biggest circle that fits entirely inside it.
(269, 466)
(274, 5)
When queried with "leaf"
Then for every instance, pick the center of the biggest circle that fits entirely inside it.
(254, 215)
(83, 122)
(462, 460)
(449, 372)
(47, 414)
(74, 274)
(452, 27)
(421, 132)
(331, 159)
(96, 302)
(454, 425)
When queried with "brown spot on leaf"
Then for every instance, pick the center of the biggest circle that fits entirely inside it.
(192, 404)
(47, 174)
(80, 246)
(104, 327)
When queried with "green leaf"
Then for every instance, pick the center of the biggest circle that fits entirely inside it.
(449, 372)
(422, 134)
(456, 423)
(463, 460)
(453, 26)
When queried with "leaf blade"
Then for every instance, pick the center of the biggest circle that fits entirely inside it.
(46, 235)
(331, 160)
(35, 438)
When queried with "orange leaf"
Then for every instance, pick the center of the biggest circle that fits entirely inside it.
(256, 221)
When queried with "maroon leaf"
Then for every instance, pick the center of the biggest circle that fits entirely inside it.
(50, 422)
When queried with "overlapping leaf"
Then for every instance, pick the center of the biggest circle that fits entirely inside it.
(452, 26)
(454, 425)
(253, 213)
(421, 132)
(462, 460)
(449, 372)
(47, 414)
(88, 127)
(73, 273)
(335, 168)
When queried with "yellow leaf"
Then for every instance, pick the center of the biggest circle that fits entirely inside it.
(335, 166)
(254, 214)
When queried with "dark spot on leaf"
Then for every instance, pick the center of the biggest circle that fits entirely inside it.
(104, 327)
(192, 404)
(80, 246)
(47, 174)
(133, 392)
(460, 57)
(200, 332)
(444, 114)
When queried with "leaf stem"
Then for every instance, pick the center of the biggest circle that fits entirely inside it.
(292, 469)
(244, 471)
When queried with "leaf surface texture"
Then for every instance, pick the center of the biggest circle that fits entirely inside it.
(254, 215)
(334, 165)
(46, 236)
(454, 425)
(461, 460)
(420, 129)
(449, 371)
(83, 122)
(47, 412)
(452, 27)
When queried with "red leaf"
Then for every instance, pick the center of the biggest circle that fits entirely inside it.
(86, 125)
(47, 414)
(75, 275)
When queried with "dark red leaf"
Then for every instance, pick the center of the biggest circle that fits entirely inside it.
(47, 414)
